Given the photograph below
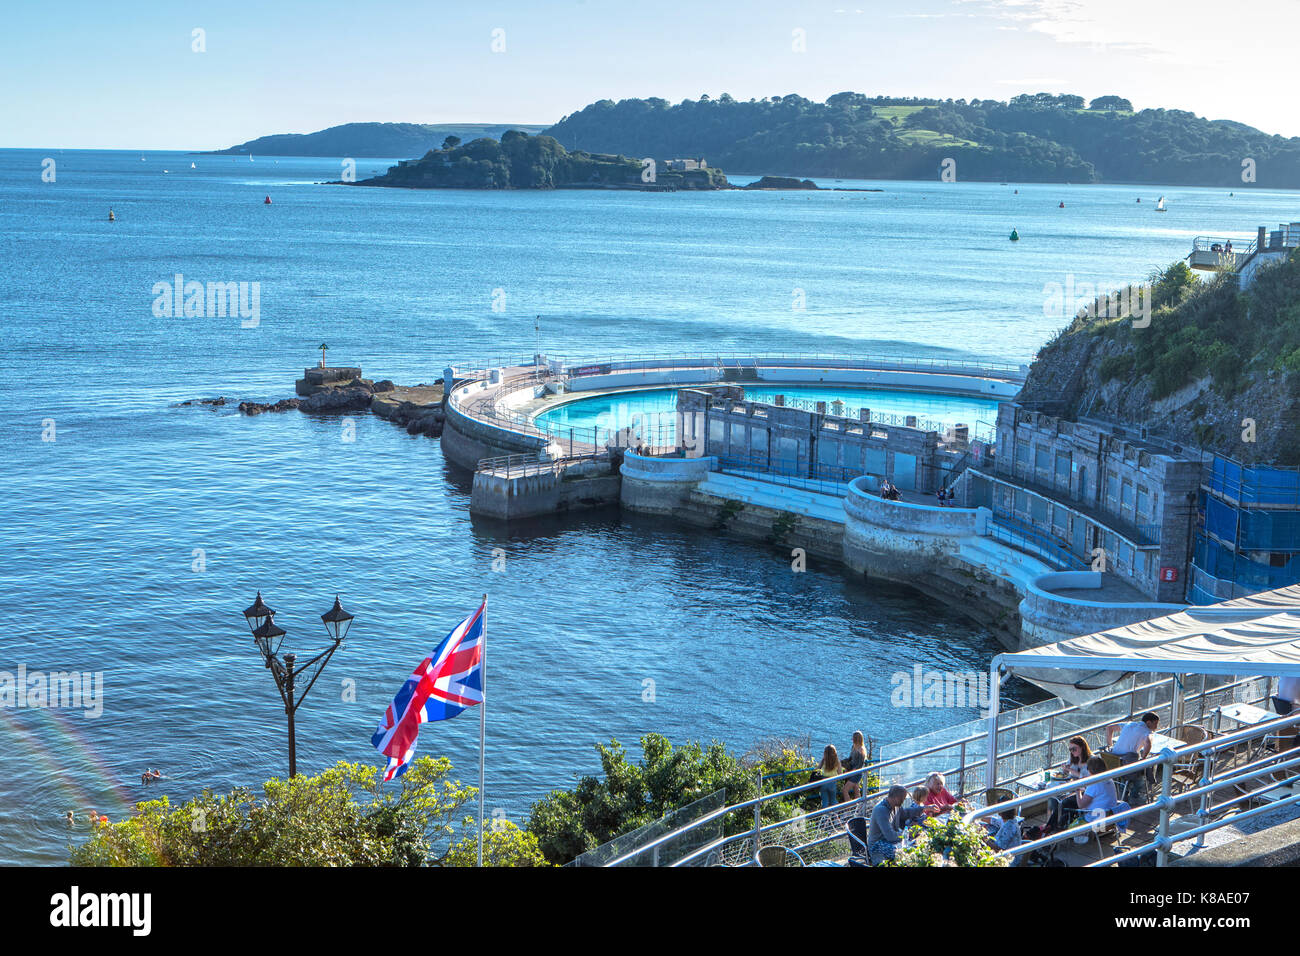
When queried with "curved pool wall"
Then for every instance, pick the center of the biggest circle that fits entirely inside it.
(615, 410)
(483, 405)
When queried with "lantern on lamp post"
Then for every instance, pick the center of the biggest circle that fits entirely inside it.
(268, 636)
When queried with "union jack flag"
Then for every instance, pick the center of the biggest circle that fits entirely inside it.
(444, 684)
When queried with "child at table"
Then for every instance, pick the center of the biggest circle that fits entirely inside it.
(913, 813)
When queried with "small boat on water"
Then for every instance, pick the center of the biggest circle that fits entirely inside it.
(266, 201)
(192, 166)
(1160, 205)
(1061, 206)
(111, 217)
(1015, 236)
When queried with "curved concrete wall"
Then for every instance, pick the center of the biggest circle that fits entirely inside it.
(1047, 617)
(660, 485)
(466, 441)
(891, 538)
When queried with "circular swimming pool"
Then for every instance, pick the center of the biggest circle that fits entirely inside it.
(614, 410)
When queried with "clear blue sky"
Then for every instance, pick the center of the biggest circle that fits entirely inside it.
(121, 74)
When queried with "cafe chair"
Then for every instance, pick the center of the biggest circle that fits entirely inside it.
(1130, 787)
(1188, 769)
(778, 856)
(857, 830)
(1101, 825)
(996, 795)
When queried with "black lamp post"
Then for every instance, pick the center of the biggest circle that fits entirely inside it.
(268, 636)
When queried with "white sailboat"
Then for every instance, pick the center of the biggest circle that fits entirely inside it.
(1160, 205)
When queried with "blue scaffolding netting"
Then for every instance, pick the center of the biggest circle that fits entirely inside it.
(1250, 540)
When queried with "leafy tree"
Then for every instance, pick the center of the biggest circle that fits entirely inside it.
(451, 142)
(630, 795)
(1111, 103)
(504, 844)
(343, 816)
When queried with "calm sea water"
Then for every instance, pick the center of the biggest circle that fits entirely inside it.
(130, 544)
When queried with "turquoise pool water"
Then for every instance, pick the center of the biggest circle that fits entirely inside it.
(621, 409)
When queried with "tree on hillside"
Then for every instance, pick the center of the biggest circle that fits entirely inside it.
(1111, 103)
(451, 142)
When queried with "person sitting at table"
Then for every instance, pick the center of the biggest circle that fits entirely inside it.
(1081, 799)
(882, 836)
(1095, 799)
(914, 812)
(937, 796)
(1134, 741)
(829, 767)
(851, 788)
(1288, 692)
(1080, 754)
(1008, 834)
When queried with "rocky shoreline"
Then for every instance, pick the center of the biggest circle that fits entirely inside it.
(337, 391)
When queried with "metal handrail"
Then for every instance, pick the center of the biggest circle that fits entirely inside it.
(1166, 759)
(958, 744)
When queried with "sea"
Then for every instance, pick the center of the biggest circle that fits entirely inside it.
(135, 529)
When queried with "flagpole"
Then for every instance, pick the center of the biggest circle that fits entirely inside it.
(482, 728)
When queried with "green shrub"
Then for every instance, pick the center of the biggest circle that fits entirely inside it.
(949, 843)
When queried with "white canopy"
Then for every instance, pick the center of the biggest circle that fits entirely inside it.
(1259, 634)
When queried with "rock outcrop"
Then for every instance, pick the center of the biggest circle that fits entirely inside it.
(256, 408)
(351, 398)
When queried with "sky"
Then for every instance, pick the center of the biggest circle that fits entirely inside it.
(134, 74)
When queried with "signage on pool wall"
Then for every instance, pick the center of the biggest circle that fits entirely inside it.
(1168, 574)
(590, 370)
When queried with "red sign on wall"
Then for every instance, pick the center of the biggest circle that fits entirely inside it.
(1168, 574)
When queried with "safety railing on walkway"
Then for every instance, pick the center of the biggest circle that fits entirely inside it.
(969, 768)
(826, 480)
(1012, 531)
(1200, 757)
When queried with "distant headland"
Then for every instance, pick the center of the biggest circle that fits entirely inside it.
(521, 161)
(370, 140)
(1032, 137)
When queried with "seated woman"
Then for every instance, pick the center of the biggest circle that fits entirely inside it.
(1096, 799)
(937, 798)
(829, 767)
(1077, 766)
